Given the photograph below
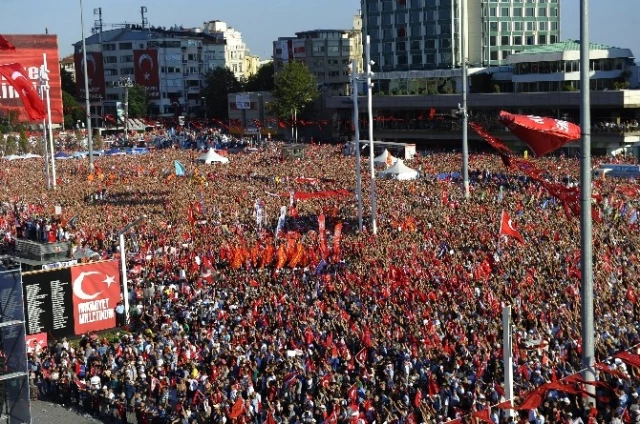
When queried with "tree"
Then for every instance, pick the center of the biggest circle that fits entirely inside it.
(295, 88)
(263, 80)
(98, 142)
(11, 146)
(67, 82)
(138, 101)
(23, 142)
(218, 84)
(73, 111)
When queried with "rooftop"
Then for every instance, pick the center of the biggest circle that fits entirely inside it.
(564, 46)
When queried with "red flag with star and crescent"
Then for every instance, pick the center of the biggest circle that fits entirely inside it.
(507, 228)
(17, 76)
(146, 71)
(96, 292)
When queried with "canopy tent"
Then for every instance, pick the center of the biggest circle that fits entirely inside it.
(31, 156)
(210, 157)
(399, 171)
(12, 157)
(385, 158)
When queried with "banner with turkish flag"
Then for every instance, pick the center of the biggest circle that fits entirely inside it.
(16, 76)
(543, 135)
(38, 339)
(27, 50)
(95, 74)
(147, 72)
(508, 229)
(96, 292)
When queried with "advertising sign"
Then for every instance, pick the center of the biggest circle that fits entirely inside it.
(147, 71)
(243, 101)
(95, 72)
(47, 300)
(28, 53)
(96, 292)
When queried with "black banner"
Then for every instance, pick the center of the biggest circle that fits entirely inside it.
(48, 301)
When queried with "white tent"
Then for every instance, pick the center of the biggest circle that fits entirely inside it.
(31, 156)
(385, 158)
(210, 157)
(13, 157)
(399, 171)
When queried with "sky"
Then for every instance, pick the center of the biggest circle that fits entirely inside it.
(263, 21)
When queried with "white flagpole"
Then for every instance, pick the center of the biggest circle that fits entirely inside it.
(42, 82)
(45, 74)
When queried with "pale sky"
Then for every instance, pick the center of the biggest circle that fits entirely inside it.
(613, 22)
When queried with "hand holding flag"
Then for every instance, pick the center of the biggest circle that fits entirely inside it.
(508, 229)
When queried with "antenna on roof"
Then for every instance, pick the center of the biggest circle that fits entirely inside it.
(143, 12)
(97, 24)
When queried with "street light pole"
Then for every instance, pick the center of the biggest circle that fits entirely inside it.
(356, 142)
(586, 257)
(123, 265)
(86, 90)
(465, 115)
(374, 224)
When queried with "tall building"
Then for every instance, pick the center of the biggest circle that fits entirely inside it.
(235, 49)
(68, 65)
(425, 34)
(327, 53)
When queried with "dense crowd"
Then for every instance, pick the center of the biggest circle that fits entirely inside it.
(233, 320)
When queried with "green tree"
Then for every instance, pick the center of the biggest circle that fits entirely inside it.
(138, 101)
(38, 147)
(98, 142)
(218, 84)
(263, 80)
(12, 146)
(73, 110)
(295, 88)
(67, 82)
(23, 142)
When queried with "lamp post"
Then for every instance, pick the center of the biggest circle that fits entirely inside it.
(86, 90)
(586, 257)
(463, 108)
(374, 224)
(123, 264)
(126, 83)
(356, 142)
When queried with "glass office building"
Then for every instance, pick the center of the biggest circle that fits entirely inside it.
(425, 34)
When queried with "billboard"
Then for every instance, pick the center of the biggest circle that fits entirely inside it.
(47, 300)
(147, 72)
(28, 53)
(71, 301)
(243, 101)
(95, 72)
(96, 292)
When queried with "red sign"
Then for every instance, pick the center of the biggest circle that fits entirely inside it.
(543, 135)
(28, 53)
(33, 340)
(147, 72)
(96, 292)
(95, 72)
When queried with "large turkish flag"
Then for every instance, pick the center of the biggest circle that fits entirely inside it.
(96, 292)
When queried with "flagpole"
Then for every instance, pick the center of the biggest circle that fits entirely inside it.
(86, 90)
(52, 149)
(43, 82)
(374, 223)
(586, 257)
(465, 116)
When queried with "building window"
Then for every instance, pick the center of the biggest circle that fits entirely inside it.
(529, 12)
(402, 60)
(542, 11)
(387, 47)
(416, 59)
(429, 44)
(126, 71)
(505, 54)
(126, 58)
(517, 40)
(554, 11)
(374, 21)
(531, 26)
(553, 39)
(401, 46)
(112, 97)
(402, 32)
(530, 40)
(542, 39)
(109, 47)
(387, 33)
(494, 55)
(125, 46)
(504, 40)
(415, 17)
(386, 20)
(111, 59)
(542, 26)
(504, 11)
(401, 4)
(372, 6)
(517, 26)
(493, 11)
(493, 26)
(517, 12)
(110, 72)
(492, 40)
(505, 26)
(554, 26)
(387, 5)
(415, 45)
(401, 18)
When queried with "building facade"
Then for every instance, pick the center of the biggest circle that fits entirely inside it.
(326, 52)
(235, 49)
(68, 65)
(426, 34)
(171, 64)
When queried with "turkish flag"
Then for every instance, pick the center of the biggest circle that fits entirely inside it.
(146, 71)
(96, 292)
(237, 409)
(17, 76)
(543, 135)
(6, 45)
(34, 340)
(507, 228)
(362, 356)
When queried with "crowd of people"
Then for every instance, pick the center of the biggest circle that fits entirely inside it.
(235, 317)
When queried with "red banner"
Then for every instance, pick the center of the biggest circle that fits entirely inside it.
(147, 72)
(543, 135)
(96, 292)
(33, 340)
(28, 53)
(95, 72)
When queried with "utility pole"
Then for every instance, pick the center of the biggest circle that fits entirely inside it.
(126, 83)
(586, 257)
